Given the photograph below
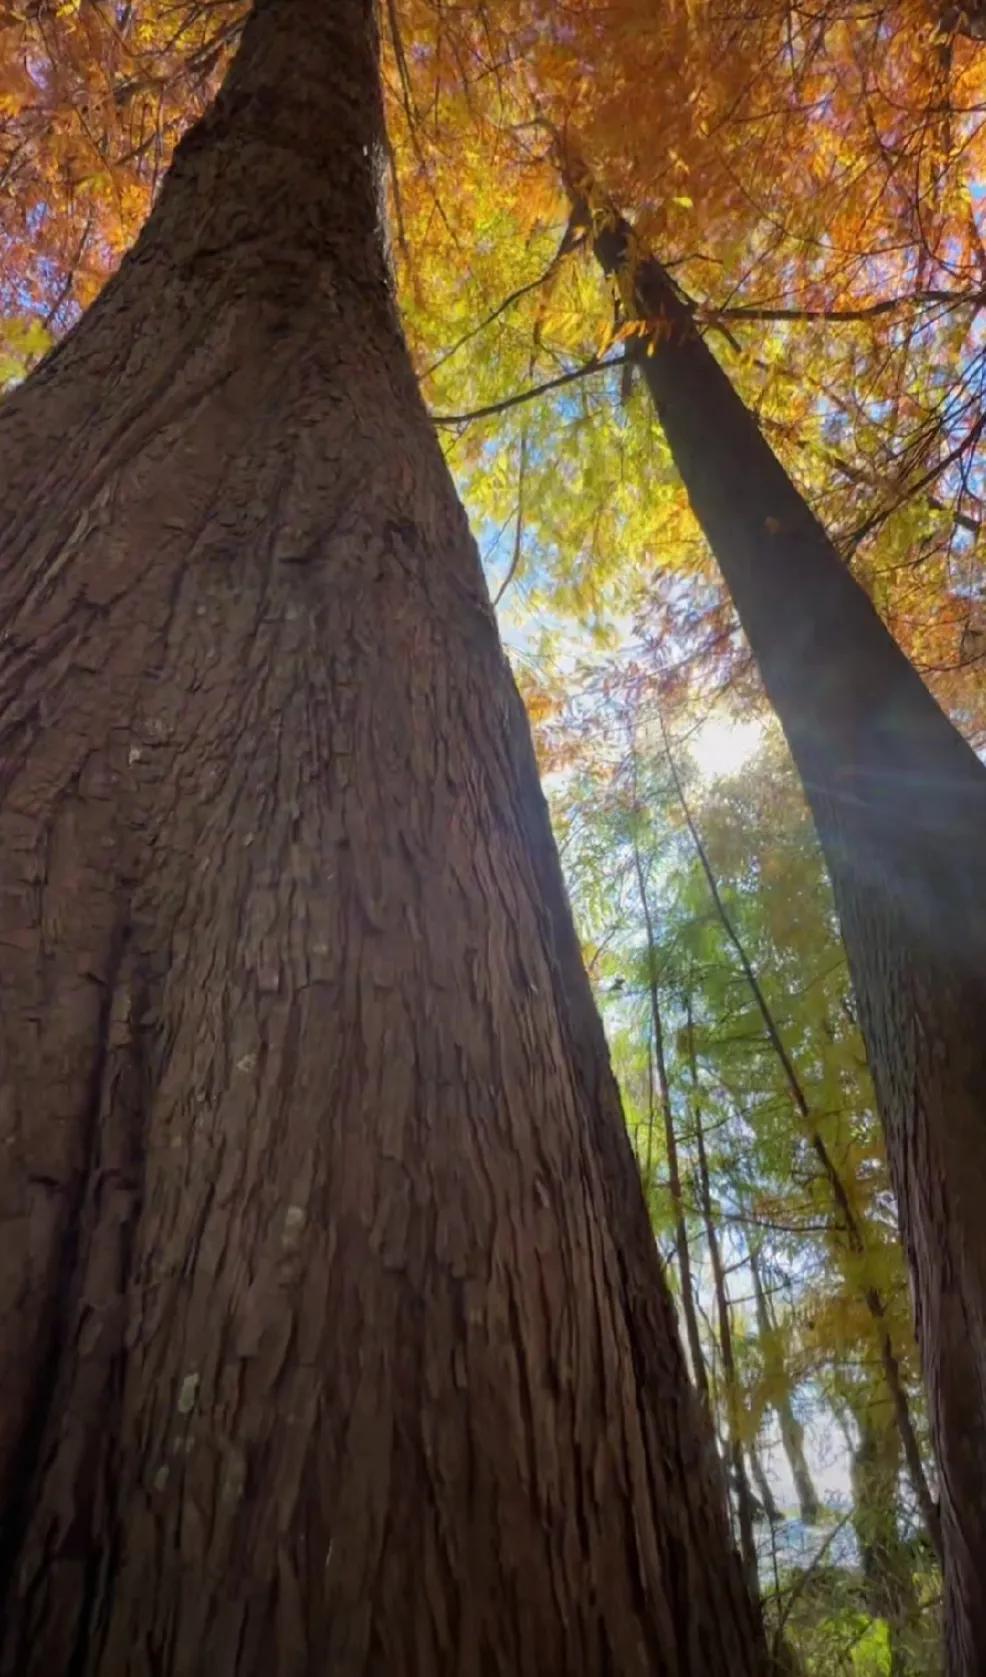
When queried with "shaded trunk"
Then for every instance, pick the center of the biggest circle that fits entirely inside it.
(333, 1334)
(791, 1431)
(899, 800)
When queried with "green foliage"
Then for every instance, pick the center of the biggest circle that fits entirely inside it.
(22, 343)
(807, 1360)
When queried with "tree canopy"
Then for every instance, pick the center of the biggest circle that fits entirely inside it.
(811, 174)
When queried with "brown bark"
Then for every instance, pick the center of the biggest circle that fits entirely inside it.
(899, 801)
(333, 1336)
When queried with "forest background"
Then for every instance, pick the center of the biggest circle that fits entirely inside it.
(813, 179)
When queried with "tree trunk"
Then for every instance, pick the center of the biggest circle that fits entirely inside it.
(740, 1482)
(846, 1217)
(768, 1501)
(791, 1430)
(333, 1333)
(899, 800)
(688, 1309)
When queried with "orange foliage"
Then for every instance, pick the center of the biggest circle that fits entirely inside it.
(813, 174)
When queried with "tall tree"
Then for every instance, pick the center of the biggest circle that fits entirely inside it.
(899, 800)
(333, 1334)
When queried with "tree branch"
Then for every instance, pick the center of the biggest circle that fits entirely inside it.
(865, 311)
(594, 366)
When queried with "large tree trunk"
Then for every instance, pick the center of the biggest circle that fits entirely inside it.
(899, 800)
(333, 1335)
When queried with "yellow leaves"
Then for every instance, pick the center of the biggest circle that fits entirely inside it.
(22, 343)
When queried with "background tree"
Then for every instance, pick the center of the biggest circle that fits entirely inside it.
(806, 1342)
(899, 799)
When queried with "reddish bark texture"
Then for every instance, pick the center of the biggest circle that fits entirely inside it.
(333, 1337)
(899, 800)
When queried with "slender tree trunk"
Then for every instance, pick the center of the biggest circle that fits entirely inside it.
(741, 1485)
(333, 1334)
(767, 1499)
(791, 1430)
(899, 800)
(682, 1252)
(847, 1220)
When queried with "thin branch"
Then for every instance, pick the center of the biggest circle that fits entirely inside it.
(868, 480)
(514, 565)
(594, 366)
(655, 1047)
(970, 440)
(741, 1486)
(865, 311)
(570, 240)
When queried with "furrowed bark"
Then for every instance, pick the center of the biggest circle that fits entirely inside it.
(333, 1336)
